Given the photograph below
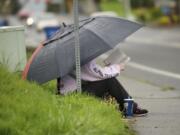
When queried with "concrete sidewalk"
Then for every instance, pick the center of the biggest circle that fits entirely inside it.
(163, 106)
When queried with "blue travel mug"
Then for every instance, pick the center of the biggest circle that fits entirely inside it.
(128, 106)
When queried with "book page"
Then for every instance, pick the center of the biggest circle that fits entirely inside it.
(117, 57)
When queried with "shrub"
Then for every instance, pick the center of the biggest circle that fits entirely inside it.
(164, 20)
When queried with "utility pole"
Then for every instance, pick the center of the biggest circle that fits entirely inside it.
(127, 8)
(77, 44)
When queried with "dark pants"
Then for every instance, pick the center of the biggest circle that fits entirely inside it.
(111, 86)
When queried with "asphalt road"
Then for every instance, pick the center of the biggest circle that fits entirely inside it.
(155, 57)
(163, 58)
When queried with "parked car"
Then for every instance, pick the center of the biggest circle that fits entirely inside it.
(104, 13)
(4, 22)
(42, 20)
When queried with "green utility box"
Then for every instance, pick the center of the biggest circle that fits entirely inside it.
(12, 47)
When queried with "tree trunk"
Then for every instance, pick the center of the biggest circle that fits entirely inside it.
(69, 4)
(178, 7)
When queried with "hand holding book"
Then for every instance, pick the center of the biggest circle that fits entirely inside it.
(122, 66)
(117, 57)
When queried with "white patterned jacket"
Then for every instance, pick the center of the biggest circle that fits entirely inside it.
(89, 72)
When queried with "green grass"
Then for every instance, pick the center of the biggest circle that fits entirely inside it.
(29, 109)
(113, 5)
(167, 88)
(29, 52)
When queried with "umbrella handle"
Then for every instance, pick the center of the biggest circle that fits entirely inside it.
(58, 85)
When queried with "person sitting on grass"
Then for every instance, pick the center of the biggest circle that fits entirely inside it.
(99, 81)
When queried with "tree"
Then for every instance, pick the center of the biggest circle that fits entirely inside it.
(177, 7)
(98, 4)
(9, 6)
(142, 3)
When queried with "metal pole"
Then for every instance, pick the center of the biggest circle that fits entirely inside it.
(127, 8)
(77, 44)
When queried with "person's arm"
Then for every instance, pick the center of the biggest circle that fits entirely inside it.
(104, 72)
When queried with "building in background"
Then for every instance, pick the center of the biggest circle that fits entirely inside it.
(167, 6)
(170, 8)
(32, 7)
(85, 6)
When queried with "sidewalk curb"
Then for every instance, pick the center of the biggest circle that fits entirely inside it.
(159, 121)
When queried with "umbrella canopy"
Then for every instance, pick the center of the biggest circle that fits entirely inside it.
(56, 57)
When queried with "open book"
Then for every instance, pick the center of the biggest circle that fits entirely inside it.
(117, 57)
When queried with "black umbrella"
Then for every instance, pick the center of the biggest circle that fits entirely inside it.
(56, 57)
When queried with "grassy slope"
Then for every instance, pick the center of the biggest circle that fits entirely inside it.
(113, 5)
(29, 109)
